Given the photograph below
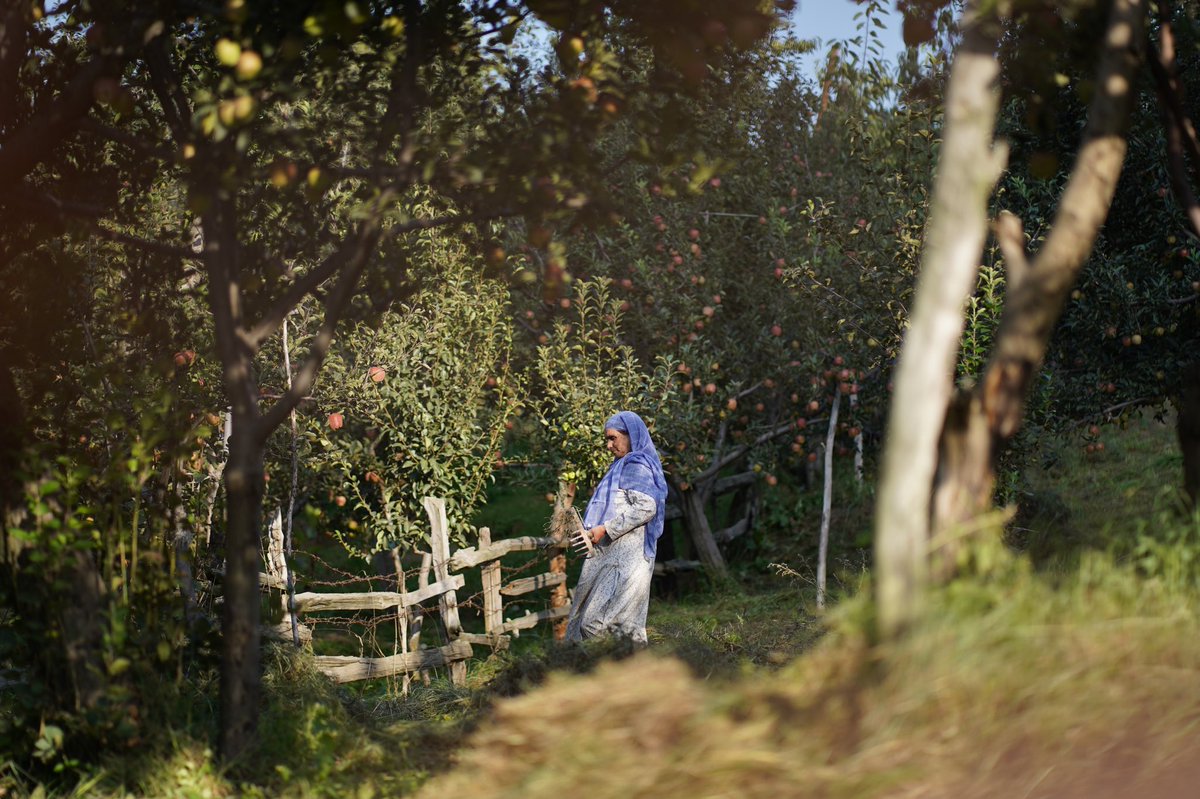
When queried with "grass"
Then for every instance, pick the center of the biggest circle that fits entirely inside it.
(1015, 685)
(1068, 670)
(1077, 501)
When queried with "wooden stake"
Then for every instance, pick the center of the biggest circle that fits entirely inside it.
(559, 597)
(827, 499)
(493, 603)
(439, 542)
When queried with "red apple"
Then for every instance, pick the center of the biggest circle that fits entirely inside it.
(377, 374)
(336, 420)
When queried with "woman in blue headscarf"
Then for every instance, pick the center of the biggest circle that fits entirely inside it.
(624, 520)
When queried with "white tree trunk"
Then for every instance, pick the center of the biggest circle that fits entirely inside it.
(827, 500)
(968, 167)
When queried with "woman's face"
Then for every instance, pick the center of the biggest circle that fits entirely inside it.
(616, 442)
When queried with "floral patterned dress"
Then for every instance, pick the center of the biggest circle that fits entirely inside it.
(613, 593)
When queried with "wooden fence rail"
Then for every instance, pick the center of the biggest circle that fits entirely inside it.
(412, 657)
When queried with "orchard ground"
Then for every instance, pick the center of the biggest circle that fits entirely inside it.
(1070, 670)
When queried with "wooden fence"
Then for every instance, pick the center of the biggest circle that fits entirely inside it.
(448, 580)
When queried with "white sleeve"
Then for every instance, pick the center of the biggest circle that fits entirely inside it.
(631, 510)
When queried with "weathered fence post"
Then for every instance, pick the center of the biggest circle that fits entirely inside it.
(493, 607)
(559, 598)
(280, 576)
(439, 543)
(416, 616)
(403, 614)
(827, 499)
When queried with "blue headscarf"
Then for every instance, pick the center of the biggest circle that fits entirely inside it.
(640, 470)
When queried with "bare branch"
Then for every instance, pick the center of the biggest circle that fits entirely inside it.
(1010, 235)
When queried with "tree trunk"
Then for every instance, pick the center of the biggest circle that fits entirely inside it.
(691, 502)
(968, 167)
(1187, 427)
(965, 478)
(922, 428)
(83, 630)
(11, 436)
(827, 500)
(239, 627)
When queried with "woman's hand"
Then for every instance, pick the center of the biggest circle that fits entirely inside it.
(597, 533)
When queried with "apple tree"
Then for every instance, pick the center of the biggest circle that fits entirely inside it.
(295, 134)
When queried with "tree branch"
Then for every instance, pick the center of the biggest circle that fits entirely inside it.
(737, 452)
(93, 125)
(1035, 302)
(1010, 235)
(307, 283)
(53, 122)
(335, 305)
(164, 80)
(1177, 127)
(92, 214)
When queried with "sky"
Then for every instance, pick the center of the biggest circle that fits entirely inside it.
(830, 20)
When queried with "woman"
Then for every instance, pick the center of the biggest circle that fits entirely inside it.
(624, 520)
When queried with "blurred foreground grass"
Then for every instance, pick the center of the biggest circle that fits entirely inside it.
(1072, 670)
